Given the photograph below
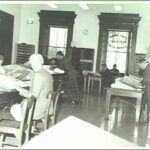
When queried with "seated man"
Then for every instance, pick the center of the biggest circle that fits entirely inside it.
(107, 79)
(2, 70)
(41, 84)
(115, 72)
(65, 64)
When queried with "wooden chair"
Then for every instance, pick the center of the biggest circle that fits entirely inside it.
(14, 132)
(49, 118)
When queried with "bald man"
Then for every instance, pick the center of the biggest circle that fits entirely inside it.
(41, 84)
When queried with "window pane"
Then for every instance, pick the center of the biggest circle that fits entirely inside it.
(62, 37)
(116, 58)
(117, 41)
(53, 36)
(57, 41)
(121, 61)
(110, 59)
(51, 52)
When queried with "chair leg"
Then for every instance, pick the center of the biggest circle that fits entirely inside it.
(53, 121)
(84, 84)
(92, 85)
(2, 139)
(99, 90)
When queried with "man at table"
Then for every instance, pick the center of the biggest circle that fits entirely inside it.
(65, 64)
(115, 72)
(41, 84)
(107, 78)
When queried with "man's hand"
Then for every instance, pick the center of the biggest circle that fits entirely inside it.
(23, 92)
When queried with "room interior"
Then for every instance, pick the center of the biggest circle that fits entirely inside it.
(87, 31)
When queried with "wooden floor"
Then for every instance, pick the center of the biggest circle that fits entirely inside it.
(92, 110)
(121, 122)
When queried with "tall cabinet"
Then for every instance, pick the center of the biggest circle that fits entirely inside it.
(82, 58)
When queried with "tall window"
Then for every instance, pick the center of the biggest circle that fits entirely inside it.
(57, 40)
(56, 31)
(117, 41)
(117, 50)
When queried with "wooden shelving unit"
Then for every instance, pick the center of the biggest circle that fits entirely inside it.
(24, 51)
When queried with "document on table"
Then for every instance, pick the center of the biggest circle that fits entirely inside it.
(54, 71)
(8, 83)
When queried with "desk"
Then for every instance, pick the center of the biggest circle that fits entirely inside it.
(124, 93)
(75, 133)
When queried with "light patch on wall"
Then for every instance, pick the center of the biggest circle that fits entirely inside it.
(30, 21)
(117, 7)
(84, 6)
(52, 5)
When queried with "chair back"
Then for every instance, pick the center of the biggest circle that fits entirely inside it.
(27, 116)
(53, 101)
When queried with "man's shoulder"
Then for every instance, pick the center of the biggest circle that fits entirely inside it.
(43, 72)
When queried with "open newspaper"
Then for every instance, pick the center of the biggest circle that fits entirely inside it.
(130, 82)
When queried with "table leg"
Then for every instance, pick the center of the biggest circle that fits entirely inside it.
(92, 85)
(99, 87)
(108, 97)
(89, 84)
(138, 107)
(85, 83)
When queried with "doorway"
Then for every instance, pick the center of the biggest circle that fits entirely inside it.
(6, 36)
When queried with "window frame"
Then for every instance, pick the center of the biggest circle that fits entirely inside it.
(54, 18)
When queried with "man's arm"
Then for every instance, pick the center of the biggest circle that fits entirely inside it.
(35, 89)
(37, 85)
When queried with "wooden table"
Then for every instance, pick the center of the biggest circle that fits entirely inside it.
(94, 77)
(124, 93)
(73, 133)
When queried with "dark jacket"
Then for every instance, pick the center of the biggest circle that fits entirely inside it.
(107, 78)
(146, 82)
(66, 65)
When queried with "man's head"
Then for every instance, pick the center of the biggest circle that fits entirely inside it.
(104, 66)
(36, 61)
(114, 66)
(1, 59)
(59, 55)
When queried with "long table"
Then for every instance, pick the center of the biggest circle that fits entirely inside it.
(11, 96)
(73, 133)
(124, 93)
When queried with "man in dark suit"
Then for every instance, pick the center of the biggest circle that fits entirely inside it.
(107, 78)
(146, 82)
(66, 65)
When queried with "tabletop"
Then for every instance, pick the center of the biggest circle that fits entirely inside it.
(75, 133)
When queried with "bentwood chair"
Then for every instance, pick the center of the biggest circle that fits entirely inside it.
(15, 133)
(50, 113)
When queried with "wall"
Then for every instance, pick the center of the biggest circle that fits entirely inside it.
(14, 10)
(85, 20)
(30, 32)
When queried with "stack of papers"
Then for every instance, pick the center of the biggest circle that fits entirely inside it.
(54, 71)
(8, 83)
